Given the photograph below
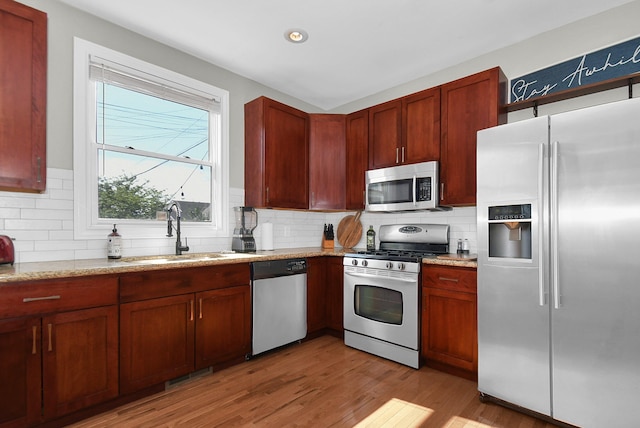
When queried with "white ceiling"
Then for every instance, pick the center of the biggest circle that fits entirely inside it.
(356, 47)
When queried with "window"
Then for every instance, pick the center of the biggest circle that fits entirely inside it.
(145, 136)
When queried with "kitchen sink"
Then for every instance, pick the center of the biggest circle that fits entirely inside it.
(158, 260)
(174, 258)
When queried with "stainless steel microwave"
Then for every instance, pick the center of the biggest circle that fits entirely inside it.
(403, 188)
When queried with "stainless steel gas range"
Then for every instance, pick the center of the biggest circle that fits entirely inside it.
(382, 291)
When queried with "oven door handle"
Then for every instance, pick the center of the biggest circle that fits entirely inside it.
(367, 275)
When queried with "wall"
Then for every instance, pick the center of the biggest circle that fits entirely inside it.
(552, 47)
(43, 224)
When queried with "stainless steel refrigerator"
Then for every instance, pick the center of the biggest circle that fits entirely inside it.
(558, 206)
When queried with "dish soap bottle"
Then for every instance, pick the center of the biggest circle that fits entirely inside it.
(371, 239)
(114, 244)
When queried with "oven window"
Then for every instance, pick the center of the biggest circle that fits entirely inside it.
(378, 304)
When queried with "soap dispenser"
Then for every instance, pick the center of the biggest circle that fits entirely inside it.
(114, 244)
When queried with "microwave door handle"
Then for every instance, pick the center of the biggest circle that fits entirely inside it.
(415, 189)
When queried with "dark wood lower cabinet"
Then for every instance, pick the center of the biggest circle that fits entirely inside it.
(202, 319)
(20, 372)
(335, 294)
(156, 341)
(324, 295)
(165, 338)
(316, 294)
(223, 325)
(54, 365)
(449, 320)
(80, 359)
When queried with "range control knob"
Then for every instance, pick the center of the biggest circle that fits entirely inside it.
(401, 266)
(354, 262)
(389, 265)
(365, 263)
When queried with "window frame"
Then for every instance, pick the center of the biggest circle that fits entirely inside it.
(87, 225)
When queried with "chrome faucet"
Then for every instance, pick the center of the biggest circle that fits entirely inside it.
(179, 247)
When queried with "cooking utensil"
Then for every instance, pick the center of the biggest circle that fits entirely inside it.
(350, 230)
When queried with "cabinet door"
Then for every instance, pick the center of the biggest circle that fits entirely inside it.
(357, 142)
(316, 294)
(467, 106)
(80, 359)
(20, 372)
(156, 341)
(335, 293)
(421, 127)
(276, 155)
(385, 134)
(327, 161)
(449, 328)
(23, 80)
(223, 325)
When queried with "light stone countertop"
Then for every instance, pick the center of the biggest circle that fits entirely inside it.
(75, 268)
(459, 260)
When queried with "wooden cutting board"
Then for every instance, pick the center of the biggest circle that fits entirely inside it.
(349, 230)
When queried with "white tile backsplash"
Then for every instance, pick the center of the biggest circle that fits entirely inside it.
(42, 226)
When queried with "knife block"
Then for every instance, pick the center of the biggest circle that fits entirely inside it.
(327, 244)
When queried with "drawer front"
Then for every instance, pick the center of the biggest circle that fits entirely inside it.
(41, 297)
(154, 284)
(450, 278)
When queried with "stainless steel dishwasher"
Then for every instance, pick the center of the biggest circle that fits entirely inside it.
(279, 300)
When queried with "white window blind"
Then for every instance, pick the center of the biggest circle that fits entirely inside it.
(102, 70)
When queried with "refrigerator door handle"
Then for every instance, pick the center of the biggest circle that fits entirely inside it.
(541, 278)
(555, 276)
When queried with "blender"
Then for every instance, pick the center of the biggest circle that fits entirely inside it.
(246, 221)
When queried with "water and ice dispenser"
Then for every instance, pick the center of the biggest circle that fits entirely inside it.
(510, 231)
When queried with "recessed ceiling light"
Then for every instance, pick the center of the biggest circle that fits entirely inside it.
(296, 36)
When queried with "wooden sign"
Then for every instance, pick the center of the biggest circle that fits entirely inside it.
(615, 61)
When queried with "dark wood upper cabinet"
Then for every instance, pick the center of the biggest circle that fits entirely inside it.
(385, 134)
(327, 169)
(467, 106)
(357, 141)
(276, 155)
(405, 130)
(421, 126)
(318, 161)
(23, 97)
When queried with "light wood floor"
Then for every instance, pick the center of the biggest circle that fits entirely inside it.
(320, 383)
